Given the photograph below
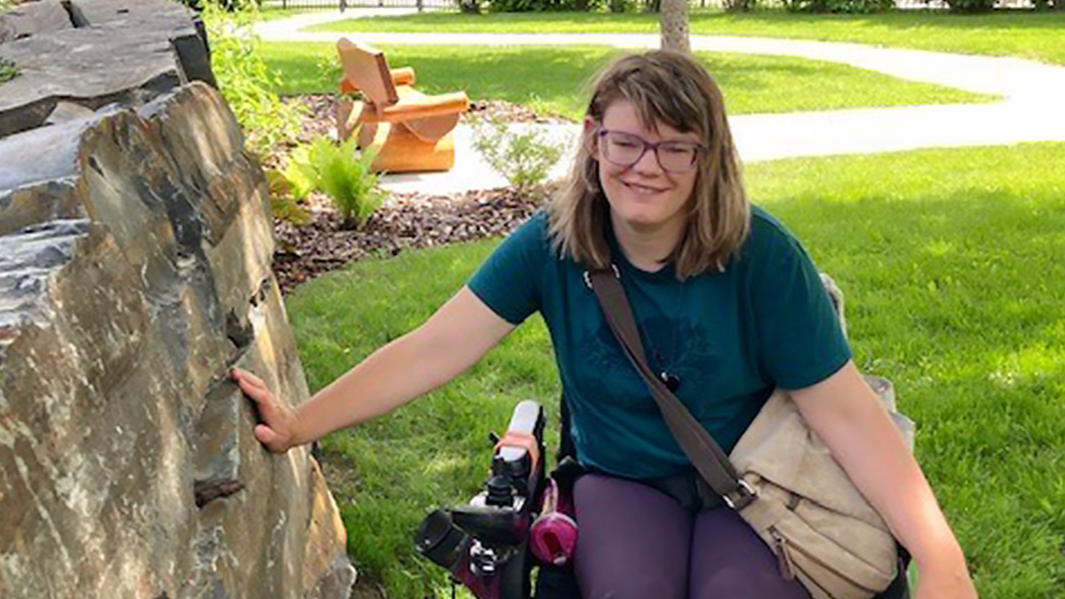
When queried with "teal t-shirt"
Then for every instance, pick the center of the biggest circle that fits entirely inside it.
(730, 337)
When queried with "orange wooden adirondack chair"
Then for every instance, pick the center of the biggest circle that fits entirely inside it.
(409, 130)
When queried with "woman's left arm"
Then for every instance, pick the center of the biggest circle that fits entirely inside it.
(855, 426)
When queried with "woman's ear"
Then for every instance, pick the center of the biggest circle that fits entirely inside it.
(590, 138)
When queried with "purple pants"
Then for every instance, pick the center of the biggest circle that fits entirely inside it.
(638, 543)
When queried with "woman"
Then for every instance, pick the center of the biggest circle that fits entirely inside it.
(729, 307)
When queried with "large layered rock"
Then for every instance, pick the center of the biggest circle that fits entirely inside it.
(134, 272)
(135, 249)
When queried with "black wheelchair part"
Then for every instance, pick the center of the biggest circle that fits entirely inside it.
(484, 543)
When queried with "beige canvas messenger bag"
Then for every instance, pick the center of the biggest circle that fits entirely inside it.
(780, 477)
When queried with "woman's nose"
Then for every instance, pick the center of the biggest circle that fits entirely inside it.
(648, 163)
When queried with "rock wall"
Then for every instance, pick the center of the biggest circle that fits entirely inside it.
(135, 250)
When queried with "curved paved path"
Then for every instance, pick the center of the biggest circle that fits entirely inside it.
(1031, 108)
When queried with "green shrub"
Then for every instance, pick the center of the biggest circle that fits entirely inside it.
(227, 5)
(244, 79)
(543, 5)
(740, 5)
(343, 173)
(523, 157)
(971, 6)
(840, 6)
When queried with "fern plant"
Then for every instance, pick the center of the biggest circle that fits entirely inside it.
(343, 173)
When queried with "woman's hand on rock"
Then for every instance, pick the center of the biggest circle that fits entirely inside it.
(278, 430)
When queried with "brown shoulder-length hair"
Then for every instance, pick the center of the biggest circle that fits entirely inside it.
(670, 88)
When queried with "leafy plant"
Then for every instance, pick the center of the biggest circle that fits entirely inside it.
(284, 200)
(343, 173)
(299, 174)
(841, 6)
(243, 77)
(971, 6)
(523, 156)
(330, 71)
(228, 5)
(8, 70)
(740, 5)
(543, 5)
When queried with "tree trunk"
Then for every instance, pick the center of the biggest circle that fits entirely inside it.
(674, 26)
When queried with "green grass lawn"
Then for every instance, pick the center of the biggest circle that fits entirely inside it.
(951, 263)
(1036, 36)
(551, 80)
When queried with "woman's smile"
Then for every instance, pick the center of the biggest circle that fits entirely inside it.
(644, 188)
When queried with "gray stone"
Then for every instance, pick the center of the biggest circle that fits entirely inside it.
(34, 18)
(134, 273)
(68, 111)
(126, 53)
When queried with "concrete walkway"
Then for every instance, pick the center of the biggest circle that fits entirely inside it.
(1030, 109)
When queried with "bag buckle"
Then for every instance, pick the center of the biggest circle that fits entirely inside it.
(587, 275)
(744, 495)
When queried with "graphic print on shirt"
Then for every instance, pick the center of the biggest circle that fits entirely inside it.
(685, 347)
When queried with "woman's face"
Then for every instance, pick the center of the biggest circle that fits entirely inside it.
(643, 195)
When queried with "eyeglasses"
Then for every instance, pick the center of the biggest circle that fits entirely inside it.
(626, 149)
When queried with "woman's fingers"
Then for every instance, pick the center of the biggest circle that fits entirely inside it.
(269, 437)
(275, 430)
(243, 376)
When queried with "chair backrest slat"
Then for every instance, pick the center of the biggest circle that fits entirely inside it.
(366, 68)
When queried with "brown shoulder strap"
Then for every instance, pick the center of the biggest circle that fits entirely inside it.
(705, 454)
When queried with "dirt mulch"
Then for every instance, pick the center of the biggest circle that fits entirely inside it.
(406, 221)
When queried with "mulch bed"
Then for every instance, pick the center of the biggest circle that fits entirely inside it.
(406, 221)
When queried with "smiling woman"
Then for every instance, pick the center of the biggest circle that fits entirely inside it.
(552, 80)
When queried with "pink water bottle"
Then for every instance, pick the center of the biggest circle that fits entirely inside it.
(553, 536)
